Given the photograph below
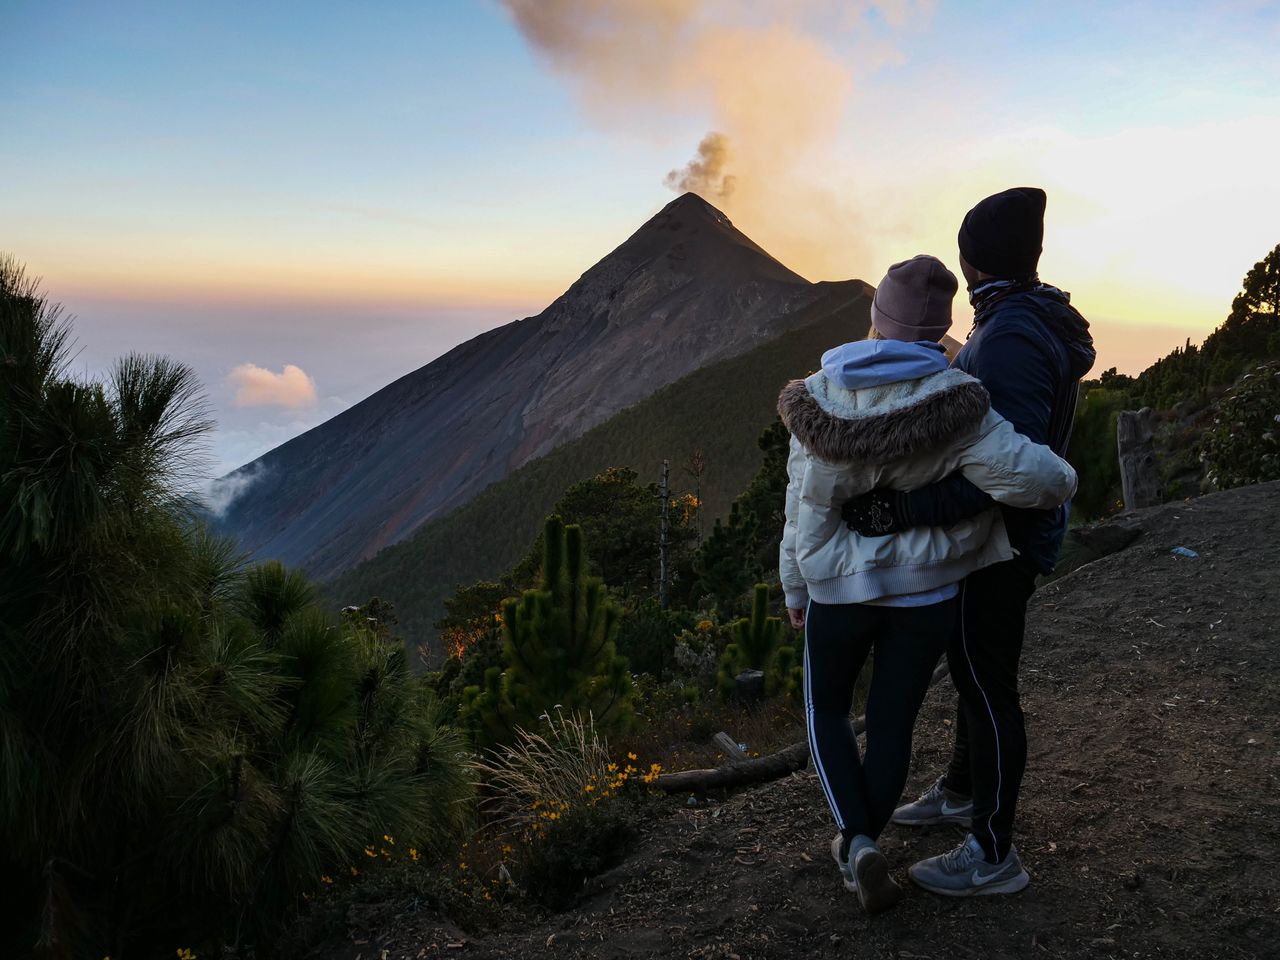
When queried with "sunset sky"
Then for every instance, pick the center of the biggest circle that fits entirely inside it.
(305, 201)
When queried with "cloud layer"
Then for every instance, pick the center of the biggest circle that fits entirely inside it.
(291, 388)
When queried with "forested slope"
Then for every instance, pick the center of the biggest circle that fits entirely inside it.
(719, 410)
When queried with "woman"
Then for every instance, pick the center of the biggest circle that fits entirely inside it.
(888, 412)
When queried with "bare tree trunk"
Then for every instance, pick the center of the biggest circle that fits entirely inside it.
(663, 572)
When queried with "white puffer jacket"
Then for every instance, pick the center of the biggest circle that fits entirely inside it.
(883, 413)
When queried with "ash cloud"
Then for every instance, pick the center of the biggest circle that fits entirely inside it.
(705, 174)
(763, 72)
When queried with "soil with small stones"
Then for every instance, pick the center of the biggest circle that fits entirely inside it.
(1149, 818)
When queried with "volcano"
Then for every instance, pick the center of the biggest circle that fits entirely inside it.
(685, 290)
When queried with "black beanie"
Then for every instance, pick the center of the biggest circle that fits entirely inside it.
(1002, 235)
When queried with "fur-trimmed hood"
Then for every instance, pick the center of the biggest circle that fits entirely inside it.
(879, 421)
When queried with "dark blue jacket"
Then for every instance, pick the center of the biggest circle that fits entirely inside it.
(1030, 349)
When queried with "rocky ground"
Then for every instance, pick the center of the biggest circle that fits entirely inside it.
(1150, 815)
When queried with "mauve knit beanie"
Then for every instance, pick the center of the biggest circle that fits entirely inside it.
(1003, 234)
(913, 301)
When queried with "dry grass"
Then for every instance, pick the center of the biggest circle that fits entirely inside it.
(541, 769)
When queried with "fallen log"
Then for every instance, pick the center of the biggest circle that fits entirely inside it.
(739, 773)
(745, 773)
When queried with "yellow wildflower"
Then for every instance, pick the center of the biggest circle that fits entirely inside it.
(355, 872)
(413, 853)
(325, 878)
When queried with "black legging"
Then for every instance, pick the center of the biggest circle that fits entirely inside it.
(991, 738)
(907, 644)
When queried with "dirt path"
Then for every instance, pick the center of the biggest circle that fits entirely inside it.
(1150, 819)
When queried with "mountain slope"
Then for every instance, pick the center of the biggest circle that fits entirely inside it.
(684, 290)
(720, 409)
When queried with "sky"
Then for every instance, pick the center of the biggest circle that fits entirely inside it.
(305, 201)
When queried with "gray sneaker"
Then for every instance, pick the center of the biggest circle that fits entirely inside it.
(936, 805)
(866, 872)
(964, 872)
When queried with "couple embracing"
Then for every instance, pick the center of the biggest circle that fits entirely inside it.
(923, 500)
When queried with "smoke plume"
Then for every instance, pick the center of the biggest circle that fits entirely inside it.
(774, 89)
(705, 174)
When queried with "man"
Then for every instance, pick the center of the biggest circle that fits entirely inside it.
(1030, 348)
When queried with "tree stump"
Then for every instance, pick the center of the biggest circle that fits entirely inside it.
(732, 751)
(1139, 477)
(748, 686)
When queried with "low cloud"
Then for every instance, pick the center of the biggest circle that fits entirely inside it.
(244, 436)
(291, 388)
(219, 494)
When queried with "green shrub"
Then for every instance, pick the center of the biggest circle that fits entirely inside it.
(559, 652)
(1093, 452)
(1243, 445)
(647, 638)
(586, 840)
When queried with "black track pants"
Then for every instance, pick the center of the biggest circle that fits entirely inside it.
(906, 643)
(991, 740)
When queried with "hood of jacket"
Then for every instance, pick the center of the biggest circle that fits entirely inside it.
(877, 401)
(870, 363)
(1053, 307)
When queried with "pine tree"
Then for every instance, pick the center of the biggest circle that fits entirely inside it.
(757, 636)
(722, 567)
(1249, 335)
(560, 652)
(756, 646)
